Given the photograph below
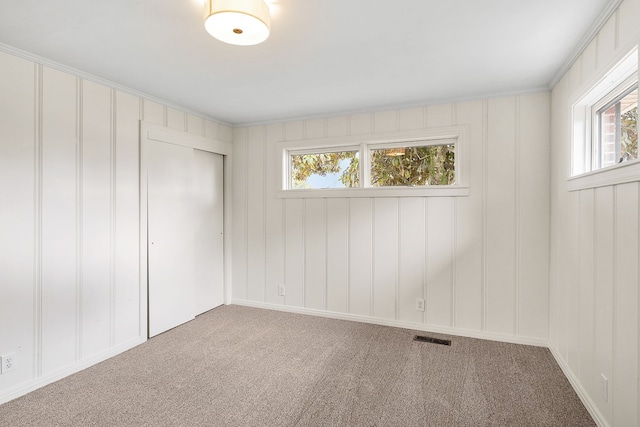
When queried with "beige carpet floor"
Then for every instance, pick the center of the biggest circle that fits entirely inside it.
(238, 366)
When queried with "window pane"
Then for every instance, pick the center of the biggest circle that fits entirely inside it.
(629, 127)
(619, 130)
(413, 166)
(325, 170)
(608, 136)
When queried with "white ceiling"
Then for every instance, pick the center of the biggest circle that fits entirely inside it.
(323, 56)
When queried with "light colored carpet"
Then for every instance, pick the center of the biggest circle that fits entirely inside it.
(238, 366)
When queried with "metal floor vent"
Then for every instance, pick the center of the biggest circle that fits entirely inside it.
(432, 340)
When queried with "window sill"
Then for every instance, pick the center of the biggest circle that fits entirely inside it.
(445, 191)
(612, 175)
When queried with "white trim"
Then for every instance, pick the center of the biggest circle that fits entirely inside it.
(430, 191)
(170, 136)
(101, 81)
(408, 136)
(395, 323)
(620, 67)
(626, 87)
(29, 386)
(593, 31)
(612, 175)
(579, 389)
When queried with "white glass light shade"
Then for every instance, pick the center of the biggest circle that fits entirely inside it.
(239, 22)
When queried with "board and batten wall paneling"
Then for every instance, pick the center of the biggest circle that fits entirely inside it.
(412, 256)
(337, 255)
(360, 256)
(532, 223)
(294, 232)
(240, 215)
(69, 228)
(274, 220)
(439, 261)
(60, 267)
(385, 258)
(586, 283)
(572, 291)
(176, 119)
(315, 236)
(469, 231)
(96, 211)
(256, 215)
(604, 277)
(127, 207)
(502, 185)
(473, 259)
(625, 302)
(195, 125)
(593, 296)
(19, 228)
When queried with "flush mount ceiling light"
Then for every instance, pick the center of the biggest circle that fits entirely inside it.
(239, 22)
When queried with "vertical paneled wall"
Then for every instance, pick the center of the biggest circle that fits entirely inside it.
(480, 261)
(69, 218)
(594, 304)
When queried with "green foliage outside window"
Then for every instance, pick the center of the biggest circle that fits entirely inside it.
(323, 164)
(629, 137)
(413, 166)
(395, 167)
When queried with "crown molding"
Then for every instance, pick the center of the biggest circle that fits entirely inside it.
(591, 33)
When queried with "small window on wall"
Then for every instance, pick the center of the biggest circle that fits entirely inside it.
(605, 128)
(616, 127)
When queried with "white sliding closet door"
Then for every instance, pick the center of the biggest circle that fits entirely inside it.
(182, 225)
(171, 236)
(208, 222)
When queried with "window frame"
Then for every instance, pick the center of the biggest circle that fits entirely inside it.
(626, 87)
(366, 142)
(608, 86)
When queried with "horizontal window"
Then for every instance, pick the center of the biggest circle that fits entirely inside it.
(428, 162)
(388, 165)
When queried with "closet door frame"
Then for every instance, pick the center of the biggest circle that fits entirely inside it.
(150, 133)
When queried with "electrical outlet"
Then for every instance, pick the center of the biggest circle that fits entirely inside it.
(419, 304)
(281, 290)
(8, 363)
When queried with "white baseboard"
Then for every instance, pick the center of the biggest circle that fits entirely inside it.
(396, 323)
(36, 383)
(579, 389)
